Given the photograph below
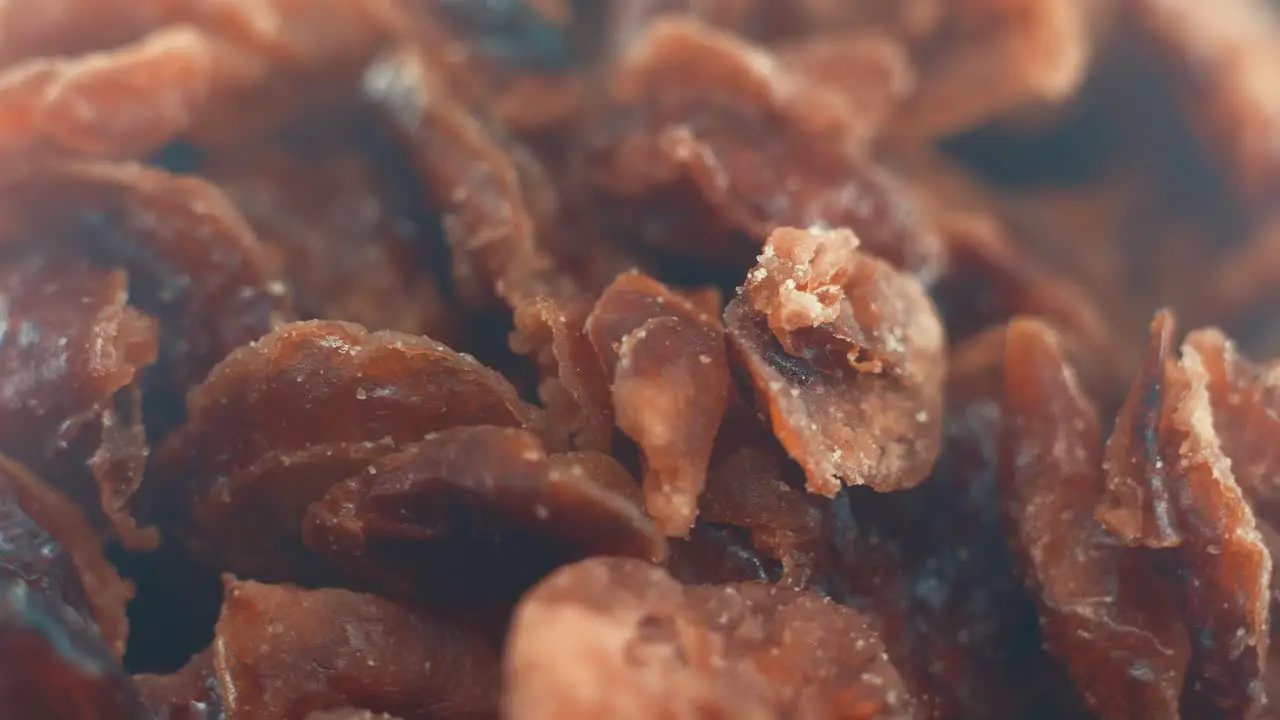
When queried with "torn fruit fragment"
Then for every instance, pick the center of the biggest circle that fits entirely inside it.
(669, 376)
(757, 146)
(71, 357)
(619, 638)
(485, 507)
(1105, 612)
(48, 548)
(331, 397)
(846, 356)
(281, 651)
(1138, 506)
(1225, 566)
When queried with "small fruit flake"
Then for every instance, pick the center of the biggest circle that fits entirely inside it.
(846, 358)
(639, 358)
(745, 650)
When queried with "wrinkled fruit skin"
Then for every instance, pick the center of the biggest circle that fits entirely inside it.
(653, 359)
(62, 609)
(669, 378)
(72, 353)
(734, 651)
(485, 504)
(237, 458)
(846, 357)
(1129, 655)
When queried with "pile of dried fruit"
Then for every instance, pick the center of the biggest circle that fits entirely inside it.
(662, 359)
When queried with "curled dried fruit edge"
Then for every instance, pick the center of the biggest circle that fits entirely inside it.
(408, 319)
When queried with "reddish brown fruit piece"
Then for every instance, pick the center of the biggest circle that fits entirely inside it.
(752, 485)
(510, 61)
(73, 27)
(1139, 505)
(1223, 60)
(192, 693)
(53, 664)
(573, 388)
(1225, 568)
(478, 513)
(71, 353)
(857, 65)
(465, 165)
(1246, 413)
(977, 61)
(772, 21)
(666, 363)
(222, 72)
(846, 356)
(283, 652)
(385, 384)
(329, 395)
(327, 213)
(253, 523)
(469, 170)
(1170, 484)
(114, 104)
(736, 68)
(1104, 612)
(469, 175)
(66, 28)
(869, 71)
(47, 547)
(930, 562)
(933, 565)
(210, 296)
(619, 638)
(286, 59)
(62, 610)
(761, 148)
(990, 58)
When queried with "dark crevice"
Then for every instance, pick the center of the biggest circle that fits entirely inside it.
(173, 614)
